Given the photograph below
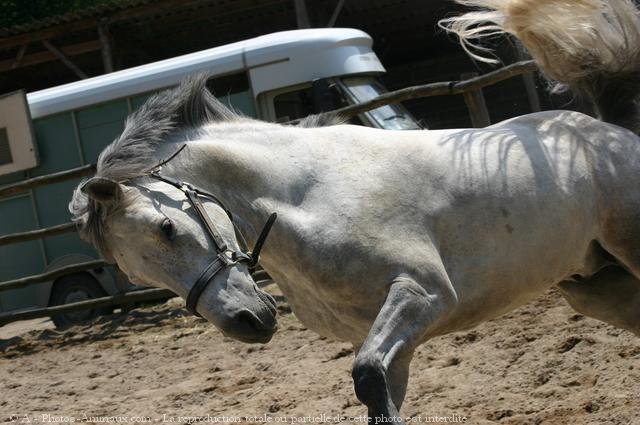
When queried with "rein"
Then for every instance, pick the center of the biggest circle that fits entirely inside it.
(224, 257)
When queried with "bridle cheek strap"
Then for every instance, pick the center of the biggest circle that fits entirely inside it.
(194, 200)
(201, 284)
(222, 261)
(224, 257)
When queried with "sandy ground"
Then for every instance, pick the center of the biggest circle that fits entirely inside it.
(542, 364)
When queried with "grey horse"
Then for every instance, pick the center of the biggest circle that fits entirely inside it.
(384, 239)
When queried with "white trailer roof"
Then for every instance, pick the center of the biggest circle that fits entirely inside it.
(275, 60)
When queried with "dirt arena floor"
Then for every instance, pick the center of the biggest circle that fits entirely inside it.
(542, 364)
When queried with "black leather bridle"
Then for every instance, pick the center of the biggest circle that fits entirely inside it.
(224, 256)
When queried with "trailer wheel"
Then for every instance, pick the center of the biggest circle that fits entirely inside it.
(75, 288)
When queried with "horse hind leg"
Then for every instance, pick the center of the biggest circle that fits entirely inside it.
(612, 295)
(615, 292)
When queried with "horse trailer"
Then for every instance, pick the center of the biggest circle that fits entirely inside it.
(277, 77)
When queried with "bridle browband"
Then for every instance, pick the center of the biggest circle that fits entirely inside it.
(224, 256)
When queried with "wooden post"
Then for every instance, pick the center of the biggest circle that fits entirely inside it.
(302, 15)
(529, 83)
(476, 104)
(122, 285)
(532, 92)
(336, 13)
(65, 60)
(105, 41)
(18, 60)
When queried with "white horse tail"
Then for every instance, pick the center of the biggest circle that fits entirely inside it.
(592, 46)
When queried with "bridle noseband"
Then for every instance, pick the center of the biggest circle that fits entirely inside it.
(224, 256)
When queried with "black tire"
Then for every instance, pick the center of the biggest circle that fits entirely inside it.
(74, 288)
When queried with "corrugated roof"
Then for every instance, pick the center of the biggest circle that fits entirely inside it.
(85, 13)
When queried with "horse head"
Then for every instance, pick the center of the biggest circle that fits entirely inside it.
(163, 234)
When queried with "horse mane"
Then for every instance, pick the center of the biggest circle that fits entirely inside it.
(187, 106)
(169, 113)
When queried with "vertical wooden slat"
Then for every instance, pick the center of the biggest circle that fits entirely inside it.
(105, 41)
(19, 56)
(302, 15)
(476, 104)
(335, 14)
(529, 83)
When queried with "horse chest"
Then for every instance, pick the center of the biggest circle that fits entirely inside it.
(338, 317)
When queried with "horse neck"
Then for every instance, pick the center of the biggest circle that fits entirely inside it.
(242, 166)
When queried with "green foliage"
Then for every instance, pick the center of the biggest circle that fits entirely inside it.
(16, 12)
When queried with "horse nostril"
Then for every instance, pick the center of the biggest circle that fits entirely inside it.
(249, 319)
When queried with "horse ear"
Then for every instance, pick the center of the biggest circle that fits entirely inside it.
(101, 189)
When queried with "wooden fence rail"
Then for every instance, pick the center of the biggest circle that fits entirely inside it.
(150, 294)
(443, 88)
(111, 300)
(38, 234)
(24, 185)
(51, 275)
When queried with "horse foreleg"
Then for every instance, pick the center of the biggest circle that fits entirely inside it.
(611, 295)
(381, 368)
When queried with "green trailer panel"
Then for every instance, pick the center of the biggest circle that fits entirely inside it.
(56, 141)
(52, 202)
(240, 102)
(21, 259)
(138, 101)
(100, 125)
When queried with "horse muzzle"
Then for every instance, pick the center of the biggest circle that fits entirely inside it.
(250, 327)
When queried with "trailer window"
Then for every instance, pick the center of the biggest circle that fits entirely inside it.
(234, 91)
(298, 104)
(293, 105)
(390, 117)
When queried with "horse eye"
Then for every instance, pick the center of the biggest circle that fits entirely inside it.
(168, 229)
